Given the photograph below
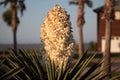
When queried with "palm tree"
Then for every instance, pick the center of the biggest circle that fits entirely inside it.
(14, 19)
(108, 16)
(7, 16)
(81, 21)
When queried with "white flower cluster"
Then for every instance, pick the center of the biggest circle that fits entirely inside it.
(56, 34)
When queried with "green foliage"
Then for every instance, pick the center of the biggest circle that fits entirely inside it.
(7, 17)
(29, 65)
(92, 46)
(21, 4)
(87, 2)
(30, 62)
(5, 2)
(75, 2)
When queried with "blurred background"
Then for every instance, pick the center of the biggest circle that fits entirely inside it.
(28, 31)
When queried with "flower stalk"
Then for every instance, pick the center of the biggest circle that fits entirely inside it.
(56, 35)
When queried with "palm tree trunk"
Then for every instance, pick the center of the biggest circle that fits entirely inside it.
(81, 41)
(108, 14)
(15, 41)
(80, 22)
(106, 66)
(14, 23)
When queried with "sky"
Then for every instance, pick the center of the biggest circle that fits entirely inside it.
(28, 31)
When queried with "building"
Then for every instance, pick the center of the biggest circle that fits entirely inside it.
(115, 39)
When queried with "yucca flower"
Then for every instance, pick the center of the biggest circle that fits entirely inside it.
(56, 34)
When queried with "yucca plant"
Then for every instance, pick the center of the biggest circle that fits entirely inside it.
(30, 66)
(28, 61)
(56, 35)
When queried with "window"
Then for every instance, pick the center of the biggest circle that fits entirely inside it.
(117, 15)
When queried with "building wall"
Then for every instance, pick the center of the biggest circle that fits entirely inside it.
(115, 44)
(101, 32)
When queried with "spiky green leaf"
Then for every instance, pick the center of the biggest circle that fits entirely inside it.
(11, 73)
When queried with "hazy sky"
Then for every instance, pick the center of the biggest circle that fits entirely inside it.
(30, 23)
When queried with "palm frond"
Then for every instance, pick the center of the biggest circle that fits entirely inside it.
(22, 6)
(7, 17)
(5, 2)
(73, 2)
(1, 3)
(89, 3)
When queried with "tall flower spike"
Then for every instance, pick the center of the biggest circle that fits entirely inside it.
(56, 34)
